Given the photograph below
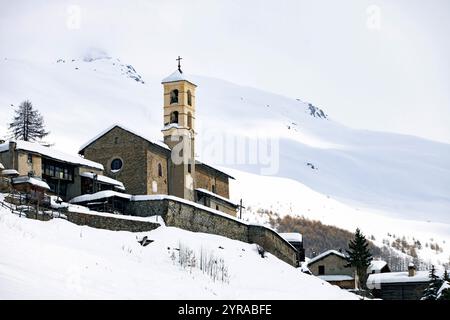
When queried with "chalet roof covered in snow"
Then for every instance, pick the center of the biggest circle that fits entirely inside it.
(176, 76)
(376, 265)
(396, 277)
(103, 179)
(10, 172)
(325, 254)
(336, 277)
(101, 134)
(31, 181)
(51, 153)
(100, 195)
(212, 194)
(291, 236)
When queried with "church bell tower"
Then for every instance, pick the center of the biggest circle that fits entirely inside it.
(179, 133)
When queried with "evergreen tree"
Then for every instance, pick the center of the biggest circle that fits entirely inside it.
(430, 293)
(28, 123)
(446, 277)
(359, 257)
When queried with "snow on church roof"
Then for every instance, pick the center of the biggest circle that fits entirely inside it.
(175, 76)
(98, 136)
(51, 153)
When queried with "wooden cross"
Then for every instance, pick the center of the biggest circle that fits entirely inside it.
(179, 63)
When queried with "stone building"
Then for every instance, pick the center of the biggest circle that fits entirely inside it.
(63, 174)
(149, 167)
(331, 266)
(407, 285)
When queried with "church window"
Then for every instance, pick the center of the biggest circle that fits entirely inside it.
(189, 168)
(189, 98)
(174, 117)
(174, 96)
(217, 207)
(116, 165)
(189, 122)
(160, 170)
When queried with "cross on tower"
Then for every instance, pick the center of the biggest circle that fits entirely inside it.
(179, 63)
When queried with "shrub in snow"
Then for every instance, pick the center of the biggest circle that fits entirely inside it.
(210, 265)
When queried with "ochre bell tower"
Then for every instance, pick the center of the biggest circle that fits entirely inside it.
(179, 133)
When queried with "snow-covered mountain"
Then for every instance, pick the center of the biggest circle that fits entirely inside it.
(317, 167)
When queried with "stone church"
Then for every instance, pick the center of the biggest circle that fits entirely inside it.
(148, 167)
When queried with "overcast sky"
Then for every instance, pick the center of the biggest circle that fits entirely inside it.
(380, 65)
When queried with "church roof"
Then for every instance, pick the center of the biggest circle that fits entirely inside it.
(176, 76)
(101, 134)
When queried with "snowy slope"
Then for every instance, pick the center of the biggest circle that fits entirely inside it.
(289, 197)
(60, 260)
(377, 175)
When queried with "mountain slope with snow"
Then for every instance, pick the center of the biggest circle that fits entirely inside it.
(60, 260)
(375, 176)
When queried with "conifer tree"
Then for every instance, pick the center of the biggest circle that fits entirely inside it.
(431, 292)
(359, 257)
(28, 123)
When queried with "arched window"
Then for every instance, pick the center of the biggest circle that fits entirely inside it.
(159, 169)
(174, 96)
(189, 97)
(189, 124)
(174, 117)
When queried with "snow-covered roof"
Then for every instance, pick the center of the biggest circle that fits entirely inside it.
(336, 277)
(396, 277)
(1, 166)
(207, 166)
(324, 254)
(376, 265)
(291, 236)
(51, 153)
(103, 179)
(212, 194)
(176, 76)
(100, 195)
(101, 134)
(30, 180)
(10, 172)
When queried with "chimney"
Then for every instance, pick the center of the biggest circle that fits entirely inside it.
(411, 270)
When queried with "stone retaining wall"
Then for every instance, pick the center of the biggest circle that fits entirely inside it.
(110, 223)
(194, 218)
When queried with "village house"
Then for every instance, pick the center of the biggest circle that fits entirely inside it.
(331, 266)
(33, 167)
(407, 285)
(378, 266)
(148, 167)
